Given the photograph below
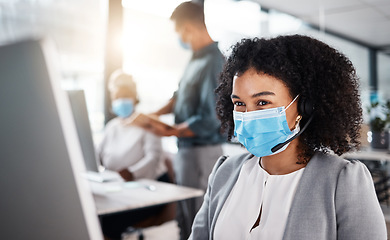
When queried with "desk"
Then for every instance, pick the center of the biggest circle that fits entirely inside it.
(113, 197)
(369, 154)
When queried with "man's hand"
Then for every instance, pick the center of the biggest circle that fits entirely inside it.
(152, 123)
(163, 131)
(183, 130)
(179, 130)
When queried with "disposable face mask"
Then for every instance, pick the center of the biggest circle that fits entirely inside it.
(260, 131)
(184, 45)
(123, 107)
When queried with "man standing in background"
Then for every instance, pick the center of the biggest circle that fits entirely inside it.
(193, 105)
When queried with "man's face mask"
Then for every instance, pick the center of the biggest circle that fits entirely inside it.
(260, 131)
(184, 45)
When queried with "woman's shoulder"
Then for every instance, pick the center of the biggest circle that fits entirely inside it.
(226, 171)
(111, 126)
(113, 122)
(329, 160)
(332, 165)
(115, 126)
(228, 165)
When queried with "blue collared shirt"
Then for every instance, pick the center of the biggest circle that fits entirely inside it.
(195, 99)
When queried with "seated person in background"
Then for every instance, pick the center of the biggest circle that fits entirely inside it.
(129, 150)
(134, 153)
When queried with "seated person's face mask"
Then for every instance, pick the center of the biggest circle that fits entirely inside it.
(259, 131)
(123, 107)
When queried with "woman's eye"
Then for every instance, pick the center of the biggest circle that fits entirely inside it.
(239, 103)
(262, 103)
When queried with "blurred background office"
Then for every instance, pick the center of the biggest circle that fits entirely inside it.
(96, 37)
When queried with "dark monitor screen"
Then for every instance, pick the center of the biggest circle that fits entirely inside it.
(43, 195)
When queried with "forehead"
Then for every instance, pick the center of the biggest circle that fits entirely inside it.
(252, 82)
(122, 92)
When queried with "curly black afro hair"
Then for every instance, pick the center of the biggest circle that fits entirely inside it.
(311, 69)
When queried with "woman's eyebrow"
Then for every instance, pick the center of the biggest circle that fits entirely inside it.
(265, 93)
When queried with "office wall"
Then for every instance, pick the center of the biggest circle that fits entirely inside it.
(384, 75)
(150, 46)
(152, 54)
(78, 29)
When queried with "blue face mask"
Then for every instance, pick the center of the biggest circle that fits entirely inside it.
(123, 107)
(184, 45)
(260, 131)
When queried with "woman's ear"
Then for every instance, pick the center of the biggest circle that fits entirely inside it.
(136, 101)
(297, 120)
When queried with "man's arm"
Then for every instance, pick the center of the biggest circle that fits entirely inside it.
(180, 130)
(204, 122)
(167, 108)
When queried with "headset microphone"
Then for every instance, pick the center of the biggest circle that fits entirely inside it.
(280, 145)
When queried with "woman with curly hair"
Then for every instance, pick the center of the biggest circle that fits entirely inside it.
(293, 102)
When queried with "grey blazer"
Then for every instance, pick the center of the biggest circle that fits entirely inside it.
(335, 199)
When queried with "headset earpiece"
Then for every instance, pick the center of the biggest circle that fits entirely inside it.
(305, 107)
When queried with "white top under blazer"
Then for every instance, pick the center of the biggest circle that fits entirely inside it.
(255, 191)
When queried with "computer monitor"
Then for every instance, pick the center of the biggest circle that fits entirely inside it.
(80, 115)
(43, 195)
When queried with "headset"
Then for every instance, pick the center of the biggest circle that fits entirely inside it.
(306, 109)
